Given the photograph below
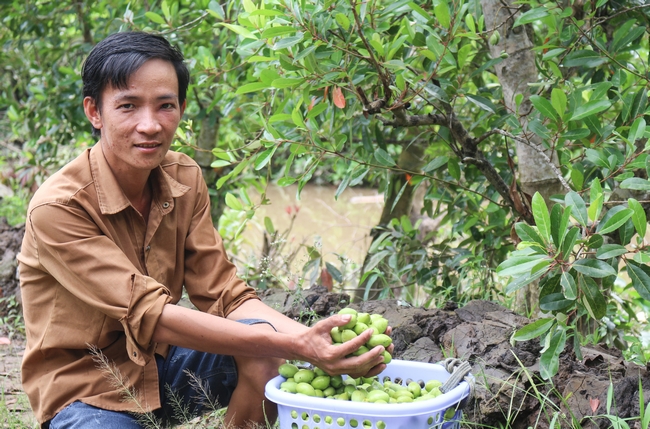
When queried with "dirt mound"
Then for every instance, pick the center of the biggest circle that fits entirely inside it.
(509, 390)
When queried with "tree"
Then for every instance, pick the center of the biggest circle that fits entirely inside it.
(406, 96)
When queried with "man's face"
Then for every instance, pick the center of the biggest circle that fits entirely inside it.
(138, 123)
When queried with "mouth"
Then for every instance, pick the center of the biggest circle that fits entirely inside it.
(147, 145)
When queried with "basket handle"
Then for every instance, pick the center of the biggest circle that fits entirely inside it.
(459, 371)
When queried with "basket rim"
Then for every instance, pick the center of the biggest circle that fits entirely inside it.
(441, 403)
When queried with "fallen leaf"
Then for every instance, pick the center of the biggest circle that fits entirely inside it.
(337, 96)
(594, 403)
(326, 279)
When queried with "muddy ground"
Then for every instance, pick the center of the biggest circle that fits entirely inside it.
(509, 391)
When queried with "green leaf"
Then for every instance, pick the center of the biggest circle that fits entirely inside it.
(556, 221)
(569, 241)
(153, 16)
(528, 233)
(218, 163)
(277, 31)
(594, 268)
(569, 288)
(384, 158)
(608, 251)
(592, 298)
(522, 281)
(549, 361)
(542, 217)
(238, 29)
(558, 100)
(613, 219)
(637, 130)
(585, 58)
(531, 16)
(286, 82)
(482, 102)
(544, 107)
(595, 200)
(286, 181)
(343, 21)
(640, 275)
(578, 207)
(636, 183)
(268, 225)
(534, 329)
(441, 10)
(264, 158)
(554, 302)
(336, 274)
(435, 164)
(638, 217)
(453, 168)
(252, 87)
(233, 202)
(595, 241)
(520, 265)
(590, 108)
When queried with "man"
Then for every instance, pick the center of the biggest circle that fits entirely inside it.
(113, 237)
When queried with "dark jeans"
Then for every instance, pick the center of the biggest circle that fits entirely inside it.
(218, 373)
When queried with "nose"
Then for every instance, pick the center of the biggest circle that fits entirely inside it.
(148, 122)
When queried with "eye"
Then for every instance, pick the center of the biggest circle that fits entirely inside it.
(126, 106)
(168, 106)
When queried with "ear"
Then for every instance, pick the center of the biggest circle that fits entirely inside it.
(183, 107)
(92, 112)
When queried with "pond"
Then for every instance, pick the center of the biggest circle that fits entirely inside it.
(336, 226)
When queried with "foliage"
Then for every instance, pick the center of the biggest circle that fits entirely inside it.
(401, 95)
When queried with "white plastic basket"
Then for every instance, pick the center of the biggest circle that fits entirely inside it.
(305, 412)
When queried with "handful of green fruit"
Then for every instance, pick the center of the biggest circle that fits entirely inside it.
(316, 383)
(358, 324)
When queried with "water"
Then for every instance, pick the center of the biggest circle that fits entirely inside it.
(338, 227)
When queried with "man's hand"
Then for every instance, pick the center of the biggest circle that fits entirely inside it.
(317, 348)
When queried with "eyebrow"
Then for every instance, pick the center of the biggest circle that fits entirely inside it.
(127, 97)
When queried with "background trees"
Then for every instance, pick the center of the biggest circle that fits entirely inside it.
(521, 126)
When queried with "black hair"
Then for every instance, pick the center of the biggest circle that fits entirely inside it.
(113, 60)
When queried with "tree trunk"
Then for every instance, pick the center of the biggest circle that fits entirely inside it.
(411, 159)
(515, 73)
(206, 141)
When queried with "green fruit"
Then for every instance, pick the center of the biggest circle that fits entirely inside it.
(353, 317)
(319, 393)
(304, 376)
(347, 335)
(404, 399)
(358, 396)
(381, 425)
(361, 350)
(288, 386)
(363, 318)
(415, 389)
(381, 324)
(432, 384)
(379, 340)
(376, 395)
(319, 371)
(387, 357)
(336, 381)
(305, 389)
(349, 389)
(294, 414)
(321, 382)
(330, 391)
(287, 370)
(335, 333)
(328, 420)
(360, 328)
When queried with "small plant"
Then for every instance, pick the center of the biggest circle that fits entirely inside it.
(11, 317)
(580, 255)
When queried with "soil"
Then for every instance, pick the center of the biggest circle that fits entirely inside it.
(509, 391)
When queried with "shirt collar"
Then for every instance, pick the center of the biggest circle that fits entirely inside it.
(110, 196)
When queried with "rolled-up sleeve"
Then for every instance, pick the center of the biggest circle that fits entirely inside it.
(89, 266)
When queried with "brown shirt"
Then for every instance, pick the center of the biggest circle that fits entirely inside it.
(93, 273)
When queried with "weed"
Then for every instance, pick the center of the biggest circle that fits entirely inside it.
(11, 318)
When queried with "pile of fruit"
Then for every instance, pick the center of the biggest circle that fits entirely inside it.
(358, 324)
(313, 381)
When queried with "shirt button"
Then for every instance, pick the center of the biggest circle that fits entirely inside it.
(148, 248)
(135, 354)
(165, 205)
